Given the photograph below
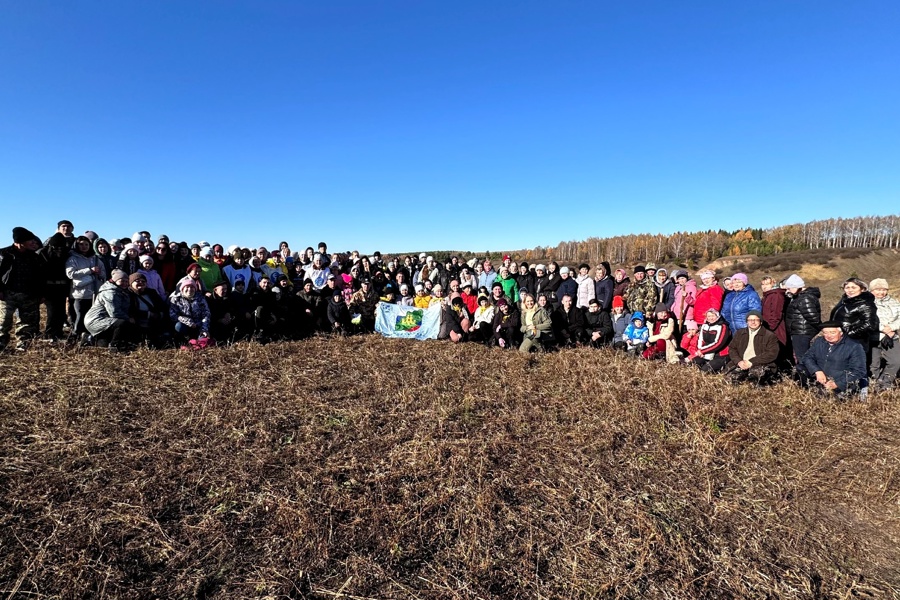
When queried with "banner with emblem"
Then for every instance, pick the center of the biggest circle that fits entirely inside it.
(393, 320)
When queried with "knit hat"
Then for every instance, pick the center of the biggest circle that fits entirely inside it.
(827, 324)
(740, 277)
(22, 235)
(192, 266)
(640, 269)
(660, 308)
(754, 313)
(690, 324)
(680, 273)
(706, 273)
(794, 281)
(563, 270)
(90, 235)
(135, 276)
(206, 252)
(878, 284)
(713, 310)
(502, 302)
(118, 274)
(618, 302)
(147, 258)
(64, 222)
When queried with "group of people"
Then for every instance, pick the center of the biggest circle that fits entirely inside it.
(120, 292)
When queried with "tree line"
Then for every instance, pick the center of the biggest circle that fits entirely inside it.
(694, 247)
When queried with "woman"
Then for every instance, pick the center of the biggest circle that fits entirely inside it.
(742, 299)
(802, 315)
(105, 255)
(536, 323)
(712, 343)
(509, 284)
(108, 320)
(857, 314)
(665, 288)
(505, 328)
(684, 295)
(622, 283)
(482, 319)
(709, 294)
(887, 351)
(661, 343)
(153, 280)
(87, 274)
(148, 311)
(128, 260)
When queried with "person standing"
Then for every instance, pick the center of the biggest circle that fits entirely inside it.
(21, 288)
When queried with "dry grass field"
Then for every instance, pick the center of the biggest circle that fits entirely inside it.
(374, 468)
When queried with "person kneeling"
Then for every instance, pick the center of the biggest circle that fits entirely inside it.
(108, 320)
(189, 311)
(752, 352)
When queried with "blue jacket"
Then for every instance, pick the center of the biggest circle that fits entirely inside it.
(738, 304)
(568, 287)
(637, 335)
(844, 362)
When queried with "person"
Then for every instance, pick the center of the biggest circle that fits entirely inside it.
(689, 340)
(636, 334)
(87, 274)
(585, 287)
(621, 283)
(712, 343)
(108, 321)
(222, 315)
(154, 281)
(535, 323)
(738, 304)
(620, 320)
(105, 255)
(455, 321)
(57, 284)
(803, 314)
(753, 351)
(665, 288)
(509, 283)
(128, 259)
(774, 307)
(886, 353)
(661, 343)
(684, 296)
(834, 364)
(238, 268)
(568, 322)
(482, 320)
(21, 288)
(421, 299)
(148, 312)
(189, 311)
(603, 287)
(525, 279)
(363, 302)
(554, 279)
(858, 315)
(709, 295)
(641, 296)
(488, 275)
(469, 297)
(567, 286)
(506, 325)
(338, 314)
(598, 325)
(164, 263)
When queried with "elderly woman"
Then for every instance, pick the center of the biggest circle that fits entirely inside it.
(885, 354)
(535, 322)
(858, 315)
(742, 299)
(709, 295)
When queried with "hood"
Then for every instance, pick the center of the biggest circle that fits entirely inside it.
(638, 315)
(99, 241)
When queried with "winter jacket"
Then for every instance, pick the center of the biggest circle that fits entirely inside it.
(599, 322)
(765, 345)
(79, 268)
(154, 281)
(193, 312)
(210, 274)
(510, 287)
(844, 362)
(803, 313)
(774, 305)
(21, 272)
(110, 304)
(713, 339)
(54, 256)
(635, 334)
(858, 317)
(567, 287)
(619, 323)
(707, 297)
(568, 326)
(665, 292)
(486, 279)
(586, 291)
(603, 292)
(888, 314)
(684, 297)
(526, 283)
(642, 296)
(621, 288)
(540, 321)
(738, 304)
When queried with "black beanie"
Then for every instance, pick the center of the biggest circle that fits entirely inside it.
(22, 235)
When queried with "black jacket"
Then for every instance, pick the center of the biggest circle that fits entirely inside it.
(603, 292)
(599, 321)
(803, 313)
(858, 317)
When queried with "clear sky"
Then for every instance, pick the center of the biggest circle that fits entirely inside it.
(405, 125)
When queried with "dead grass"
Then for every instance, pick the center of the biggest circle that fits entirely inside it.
(373, 468)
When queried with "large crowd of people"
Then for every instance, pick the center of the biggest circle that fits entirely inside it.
(123, 292)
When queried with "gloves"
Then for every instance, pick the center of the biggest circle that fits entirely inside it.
(887, 343)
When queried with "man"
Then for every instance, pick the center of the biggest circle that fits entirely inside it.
(568, 323)
(67, 230)
(641, 295)
(598, 324)
(834, 364)
(21, 288)
(753, 351)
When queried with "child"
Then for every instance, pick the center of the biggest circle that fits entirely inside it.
(689, 341)
(636, 334)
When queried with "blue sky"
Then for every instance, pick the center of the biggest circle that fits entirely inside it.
(399, 126)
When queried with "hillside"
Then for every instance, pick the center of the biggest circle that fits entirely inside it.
(373, 468)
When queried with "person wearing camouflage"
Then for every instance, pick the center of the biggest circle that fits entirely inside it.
(21, 288)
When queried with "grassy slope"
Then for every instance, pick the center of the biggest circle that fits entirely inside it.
(392, 469)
